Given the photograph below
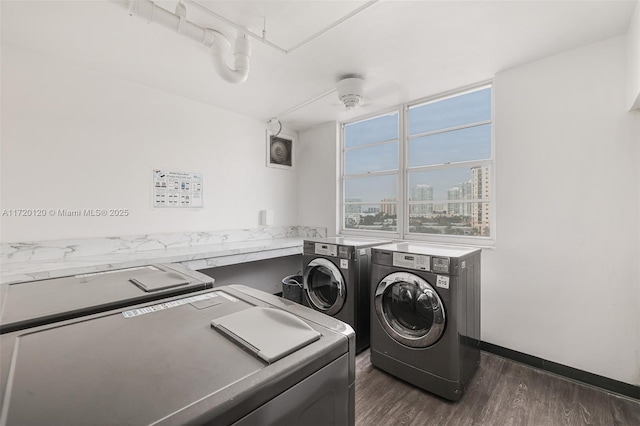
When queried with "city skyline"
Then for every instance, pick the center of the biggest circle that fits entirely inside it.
(447, 153)
(458, 203)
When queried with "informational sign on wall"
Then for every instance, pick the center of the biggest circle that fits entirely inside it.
(177, 189)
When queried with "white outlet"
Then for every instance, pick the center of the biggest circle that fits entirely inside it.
(266, 217)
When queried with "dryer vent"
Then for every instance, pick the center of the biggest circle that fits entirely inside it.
(280, 151)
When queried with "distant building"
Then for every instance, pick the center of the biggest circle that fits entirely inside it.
(422, 192)
(460, 192)
(388, 207)
(454, 193)
(480, 178)
(439, 208)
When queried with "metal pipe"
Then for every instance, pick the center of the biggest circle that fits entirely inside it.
(236, 26)
(241, 55)
(215, 40)
(150, 12)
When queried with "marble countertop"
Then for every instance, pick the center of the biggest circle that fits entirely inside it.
(36, 260)
(197, 257)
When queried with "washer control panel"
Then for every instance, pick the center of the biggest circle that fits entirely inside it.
(441, 264)
(412, 261)
(345, 252)
(327, 249)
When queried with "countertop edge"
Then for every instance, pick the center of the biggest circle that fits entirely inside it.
(198, 257)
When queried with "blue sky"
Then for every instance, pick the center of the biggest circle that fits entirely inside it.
(472, 143)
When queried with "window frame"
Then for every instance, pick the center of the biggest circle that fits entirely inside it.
(403, 206)
(343, 178)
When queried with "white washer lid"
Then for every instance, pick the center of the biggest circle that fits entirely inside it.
(269, 333)
(159, 280)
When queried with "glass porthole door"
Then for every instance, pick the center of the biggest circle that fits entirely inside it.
(324, 285)
(409, 309)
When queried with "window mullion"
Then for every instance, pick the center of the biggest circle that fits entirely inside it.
(450, 129)
(341, 189)
(402, 216)
(462, 164)
(370, 174)
(369, 145)
(445, 201)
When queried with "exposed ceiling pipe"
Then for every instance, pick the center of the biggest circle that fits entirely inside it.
(261, 39)
(241, 55)
(215, 40)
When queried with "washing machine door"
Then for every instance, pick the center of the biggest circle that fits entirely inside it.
(409, 309)
(324, 285)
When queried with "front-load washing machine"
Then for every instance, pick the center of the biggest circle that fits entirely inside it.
(425, 315)
(336, 280)
(227, 356)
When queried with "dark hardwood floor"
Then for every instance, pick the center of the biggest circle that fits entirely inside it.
(502, 392)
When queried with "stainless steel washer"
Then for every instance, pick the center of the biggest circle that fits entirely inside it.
(231, 355)
(32, 303)
(425, 316)
(336, 280)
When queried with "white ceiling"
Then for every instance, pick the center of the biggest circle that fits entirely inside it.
(405, 50)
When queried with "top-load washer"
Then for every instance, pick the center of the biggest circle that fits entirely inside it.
(425, 316)
(31, 303)
(231, 355)
(336, 280)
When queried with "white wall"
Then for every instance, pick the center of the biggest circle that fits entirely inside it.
(319, 173)
(563, 281)
(77, 138)
(633, 60)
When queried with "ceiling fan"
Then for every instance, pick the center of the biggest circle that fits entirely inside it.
(352, 92)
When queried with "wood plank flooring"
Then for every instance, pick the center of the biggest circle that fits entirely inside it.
(502, 392)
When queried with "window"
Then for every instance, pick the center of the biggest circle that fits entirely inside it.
(370, 179)
(422, 171)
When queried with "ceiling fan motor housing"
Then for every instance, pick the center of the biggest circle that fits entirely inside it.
(350, 91)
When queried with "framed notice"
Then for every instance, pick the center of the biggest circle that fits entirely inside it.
(177, 189)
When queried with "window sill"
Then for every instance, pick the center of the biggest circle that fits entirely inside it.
(479, 242)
